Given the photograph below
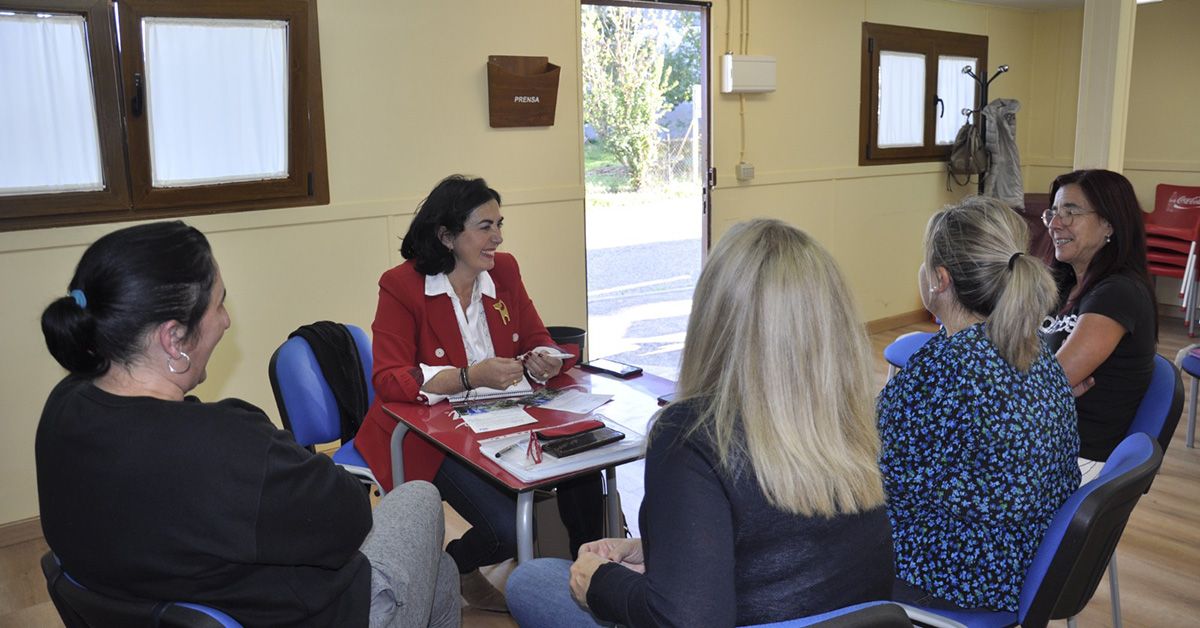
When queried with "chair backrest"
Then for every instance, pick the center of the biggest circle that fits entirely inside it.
(1175, 206)
(80, 607)
(1159, 412)
(307, 406)
(866, 615)
(1084, 532)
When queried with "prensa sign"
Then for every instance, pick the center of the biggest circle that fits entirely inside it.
(522, 91)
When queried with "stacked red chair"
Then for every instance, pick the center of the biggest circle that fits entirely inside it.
(1172, 237)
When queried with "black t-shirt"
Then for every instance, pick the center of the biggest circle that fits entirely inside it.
(200, 502)
(1106, 411)
(717, 553)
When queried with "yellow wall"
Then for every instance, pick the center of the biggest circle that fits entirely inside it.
(1163, 134)
(405, 101)
(803, 137)
(405, 104)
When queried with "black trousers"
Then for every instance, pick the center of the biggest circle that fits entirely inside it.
(491, 510)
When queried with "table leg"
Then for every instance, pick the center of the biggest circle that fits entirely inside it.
(398, 453)
(524, 526)
(613, 501)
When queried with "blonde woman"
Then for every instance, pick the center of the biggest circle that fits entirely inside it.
(763, 495)
(979, 438)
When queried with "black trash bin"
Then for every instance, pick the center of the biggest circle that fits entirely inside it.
(563, 336)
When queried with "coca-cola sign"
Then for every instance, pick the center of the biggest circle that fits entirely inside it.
(1181, 203)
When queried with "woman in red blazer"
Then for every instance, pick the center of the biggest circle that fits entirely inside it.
(453, 317)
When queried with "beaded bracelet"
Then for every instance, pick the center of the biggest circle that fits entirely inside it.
(466, 381)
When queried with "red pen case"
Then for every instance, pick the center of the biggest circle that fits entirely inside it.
(570, 429)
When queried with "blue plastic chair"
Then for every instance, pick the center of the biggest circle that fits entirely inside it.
(80, 607)
(307, 406)
(1157, 416)
(866, 615)
(1074, 552)
(902, 348)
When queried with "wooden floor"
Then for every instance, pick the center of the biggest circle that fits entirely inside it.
(1159, 553)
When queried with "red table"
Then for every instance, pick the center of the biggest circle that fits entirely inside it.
(634, 402)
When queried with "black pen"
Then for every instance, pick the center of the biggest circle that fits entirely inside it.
(508, 449)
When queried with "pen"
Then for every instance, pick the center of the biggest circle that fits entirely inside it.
(507, 449)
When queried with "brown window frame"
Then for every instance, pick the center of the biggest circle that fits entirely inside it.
(124, 138)
(931, 43)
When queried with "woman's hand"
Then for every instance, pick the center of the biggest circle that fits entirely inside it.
(628, 552)
(582, 571)
(542, 366)
(498, 373)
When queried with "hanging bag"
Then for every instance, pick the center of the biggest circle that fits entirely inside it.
(968, 154)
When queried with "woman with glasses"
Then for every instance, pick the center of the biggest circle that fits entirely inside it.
(1105, 327)
(978, 429)
(452, 318)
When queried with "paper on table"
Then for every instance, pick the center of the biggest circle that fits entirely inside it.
(499, 419)
(517, 463)
(576, 401)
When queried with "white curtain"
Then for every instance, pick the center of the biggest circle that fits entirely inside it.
(957, 91)
(216, 97)
(901, 99)
(49, 140)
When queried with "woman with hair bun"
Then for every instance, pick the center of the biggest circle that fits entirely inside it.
(978, 429)
(150, 494)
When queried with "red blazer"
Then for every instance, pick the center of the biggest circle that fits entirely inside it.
(412, 329)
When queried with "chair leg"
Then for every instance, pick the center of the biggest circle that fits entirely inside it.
(1071, 622)
(1190, 307)
(1191, 431)
(1115, 590)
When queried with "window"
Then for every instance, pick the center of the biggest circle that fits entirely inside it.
(914, 91)
(131, 109)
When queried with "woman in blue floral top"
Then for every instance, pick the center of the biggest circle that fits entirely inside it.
(979, 429)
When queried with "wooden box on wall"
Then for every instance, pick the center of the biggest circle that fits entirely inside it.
(522, 91)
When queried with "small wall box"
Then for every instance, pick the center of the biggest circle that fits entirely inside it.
(747, 74)
(522, 91)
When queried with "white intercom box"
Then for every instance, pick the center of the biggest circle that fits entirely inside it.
(745, 73)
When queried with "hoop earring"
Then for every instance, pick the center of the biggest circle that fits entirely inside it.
(171, 364)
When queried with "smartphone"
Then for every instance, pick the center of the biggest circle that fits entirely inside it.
(579, 443)
(665, 399)
(612, 367)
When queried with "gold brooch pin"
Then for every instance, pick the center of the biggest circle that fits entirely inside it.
(503, 309)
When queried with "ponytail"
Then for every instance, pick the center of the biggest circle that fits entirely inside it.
(982, 244)
(1026, 298)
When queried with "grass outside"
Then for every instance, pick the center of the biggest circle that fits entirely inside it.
(602, 171)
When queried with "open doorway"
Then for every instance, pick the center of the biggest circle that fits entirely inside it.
(646, 169)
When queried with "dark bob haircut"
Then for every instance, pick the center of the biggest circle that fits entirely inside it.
(1112, 196)
(129, 281)
(447, 206)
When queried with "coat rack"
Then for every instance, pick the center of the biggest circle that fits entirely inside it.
(983, 101)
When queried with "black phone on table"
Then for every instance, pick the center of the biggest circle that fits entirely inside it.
(612, 367)
(579, 443)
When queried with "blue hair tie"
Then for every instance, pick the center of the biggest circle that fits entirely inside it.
(80, 300)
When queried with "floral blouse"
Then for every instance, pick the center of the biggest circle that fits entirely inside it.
(977, 456)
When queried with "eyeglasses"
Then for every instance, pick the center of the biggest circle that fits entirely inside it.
(1065, 217)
